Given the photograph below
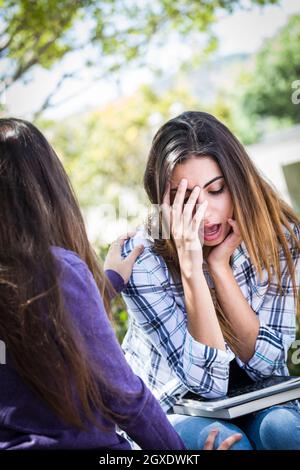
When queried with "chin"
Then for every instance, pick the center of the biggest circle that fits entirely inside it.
(212, 243)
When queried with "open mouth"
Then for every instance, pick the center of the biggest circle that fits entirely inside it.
(212, 232)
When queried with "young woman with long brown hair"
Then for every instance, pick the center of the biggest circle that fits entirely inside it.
(65, 383)
(194, 308)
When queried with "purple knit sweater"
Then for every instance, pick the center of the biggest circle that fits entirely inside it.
(26, 422)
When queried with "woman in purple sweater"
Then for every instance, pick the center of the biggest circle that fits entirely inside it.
(64, 381)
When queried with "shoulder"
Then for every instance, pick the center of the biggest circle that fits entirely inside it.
(80, 293)
(148, 257)
(73, 271)
(241, 258)
(148, 262)
(296, 229)
(293, 244)
(78, 287)
(66, 257)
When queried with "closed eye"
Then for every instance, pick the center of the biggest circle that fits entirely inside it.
(217, 192)
(214, 193)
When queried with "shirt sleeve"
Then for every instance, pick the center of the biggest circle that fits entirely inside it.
(277, 318)
(150, 300)
(145, 422)
(116, 281)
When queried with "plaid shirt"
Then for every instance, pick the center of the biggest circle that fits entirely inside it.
(170, 361)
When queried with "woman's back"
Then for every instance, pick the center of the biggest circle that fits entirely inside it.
(26, 421)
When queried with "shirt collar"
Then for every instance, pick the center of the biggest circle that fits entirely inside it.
(239, 255)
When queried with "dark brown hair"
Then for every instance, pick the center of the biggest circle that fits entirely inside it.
(38, 209)
(258, 209)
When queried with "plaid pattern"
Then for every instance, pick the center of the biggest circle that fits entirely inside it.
(159, 347)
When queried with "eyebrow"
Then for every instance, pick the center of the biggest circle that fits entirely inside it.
(206, 184)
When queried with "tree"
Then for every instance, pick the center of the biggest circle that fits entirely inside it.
(107, 149)
(42, 32)
(276, 75)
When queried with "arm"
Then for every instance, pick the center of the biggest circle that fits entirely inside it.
(145, 421)
(150, 300)
(266, 328)
(277, 326)
(184, 221)
(202, 322)
(118, 283)
(243, 320)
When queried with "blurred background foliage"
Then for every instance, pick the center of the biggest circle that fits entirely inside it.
(104, 150)
(278, 65)
(107, 148)
(42, 32)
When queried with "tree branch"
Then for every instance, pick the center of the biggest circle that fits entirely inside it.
(47, 102)
(12, 34)
(40, 51)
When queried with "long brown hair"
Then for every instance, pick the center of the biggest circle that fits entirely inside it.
(259, 211)
(38, 209)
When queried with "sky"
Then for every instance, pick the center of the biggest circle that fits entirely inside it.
(241, 32)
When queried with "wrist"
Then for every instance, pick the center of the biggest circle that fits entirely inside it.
(190, 270)
(219, 269)
(190, 255)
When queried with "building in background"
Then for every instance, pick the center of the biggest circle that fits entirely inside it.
(278, 158)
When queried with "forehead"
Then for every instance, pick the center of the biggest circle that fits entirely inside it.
(197, 170)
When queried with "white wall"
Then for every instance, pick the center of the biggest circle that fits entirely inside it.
(273, 153)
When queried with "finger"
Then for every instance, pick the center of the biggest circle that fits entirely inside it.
(178, 202)
(166, 221)
(229, 442)
(166, 196)
(127, 235)
(180, 193)
(131, 258)
(176, 210)
(131, 233)
(189, 206)
(235, 226)
(165, 210)
(209, 443)
(119, 242)
(199, 215)
(234, 238)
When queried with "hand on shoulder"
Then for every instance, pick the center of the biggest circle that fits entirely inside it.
(114, 260)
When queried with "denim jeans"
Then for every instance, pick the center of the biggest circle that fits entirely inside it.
(277, 427)
(194, 430)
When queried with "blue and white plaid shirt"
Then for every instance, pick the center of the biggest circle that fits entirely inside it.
(170, 361)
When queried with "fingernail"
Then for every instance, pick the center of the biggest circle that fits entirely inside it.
(183, 181)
